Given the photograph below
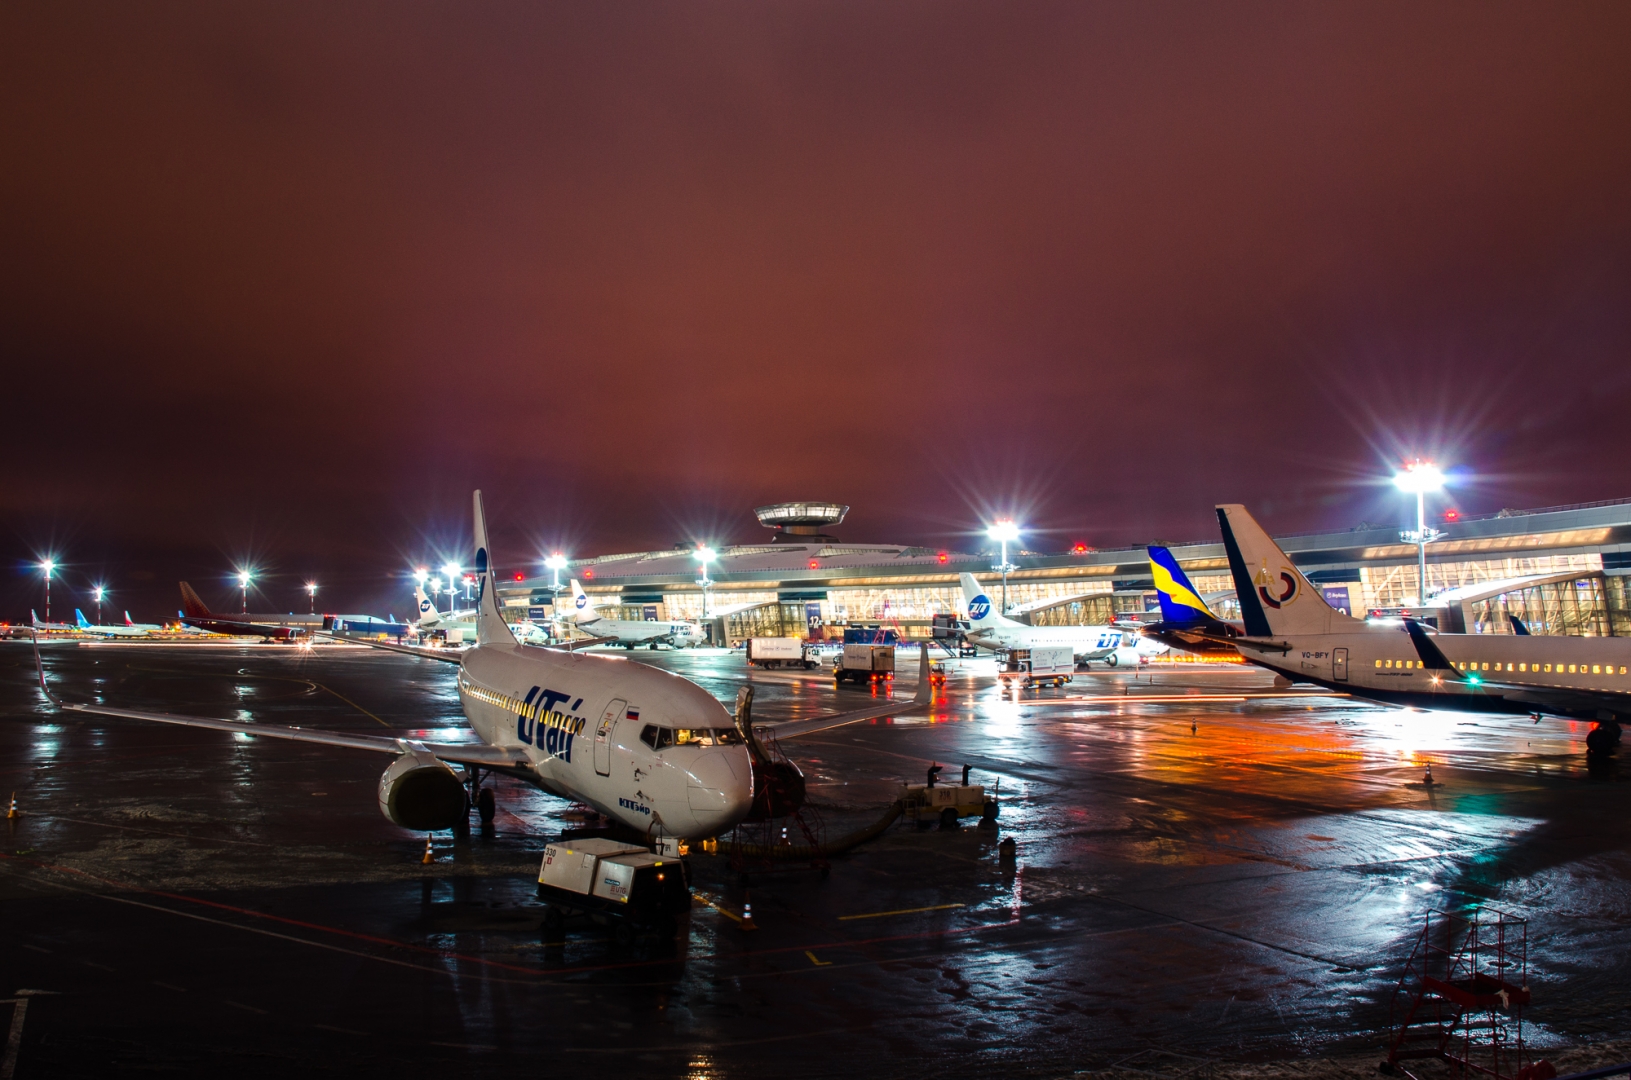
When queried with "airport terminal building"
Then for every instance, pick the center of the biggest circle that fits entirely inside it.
(1561, 570)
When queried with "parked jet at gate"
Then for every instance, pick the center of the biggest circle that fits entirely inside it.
(85, 626)
(652, 751)
(990, 630)
(1290, 629)
(630, 632)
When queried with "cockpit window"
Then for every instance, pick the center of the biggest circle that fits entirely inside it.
(659, 738)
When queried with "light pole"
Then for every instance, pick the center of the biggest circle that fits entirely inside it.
(705, 555)
(452, 571)
(435, 587)
(1003, 532)
(96, 594)
(48, 565)
(311, 593)
(555, 563)
(243, 585)
(1420, 477)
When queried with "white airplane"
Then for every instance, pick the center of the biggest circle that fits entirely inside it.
(1290, 629)
(146, 627)
(460, 626)
(85, 626)
(630, 632)
(989, 630)
(653, 752)
(34, 621)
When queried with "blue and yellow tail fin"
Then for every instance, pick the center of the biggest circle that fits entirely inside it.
(1180, 603)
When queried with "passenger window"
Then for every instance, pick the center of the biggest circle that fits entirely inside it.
(1523, 667)
(1378, 663)
(1596, 669)
(1486, 665)
(1571, 669)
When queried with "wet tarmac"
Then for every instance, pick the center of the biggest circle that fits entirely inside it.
(1237, 873)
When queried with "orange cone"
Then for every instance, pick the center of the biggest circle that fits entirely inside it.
(430, 856)
(12, 813)
(747, 912)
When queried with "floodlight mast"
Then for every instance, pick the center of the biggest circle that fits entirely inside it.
(311, 593)
(244, 577)
(1002, 532)
(705, 555)
(48, 565)
(555, 564)
(97, 593)
(1420, 477)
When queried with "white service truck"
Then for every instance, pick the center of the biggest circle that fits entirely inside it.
(864, 664)
(775, 652)
(1043, 665)
(624, 886)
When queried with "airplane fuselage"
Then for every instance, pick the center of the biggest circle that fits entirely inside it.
(649, 749)
(637, 632)
(1086, 642)
(1565, 676)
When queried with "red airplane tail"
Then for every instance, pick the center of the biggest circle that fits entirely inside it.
(191, 604)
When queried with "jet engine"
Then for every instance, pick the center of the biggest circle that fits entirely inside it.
(421, 792)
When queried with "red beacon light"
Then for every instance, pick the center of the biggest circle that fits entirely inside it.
(1452, 515)
(941, 557)
(1079, 549)
(589, 575)
(518, 577)
(815, 565)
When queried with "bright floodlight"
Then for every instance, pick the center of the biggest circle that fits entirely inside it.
(48, 566)
(555, 562)
(706, 555)
(1419, 477)
(311, 588)
(451, 570)
(243, 578)
(420, 575)
(1004, 531)
(97, 592)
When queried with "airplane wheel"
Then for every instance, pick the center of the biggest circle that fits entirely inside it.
(1599, 740)
(948, 818)
(623, 933)
(485, 806)
(554, 922)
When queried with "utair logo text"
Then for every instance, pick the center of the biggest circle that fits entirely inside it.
(979, 607)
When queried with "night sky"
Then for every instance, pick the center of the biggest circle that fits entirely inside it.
(283, 282)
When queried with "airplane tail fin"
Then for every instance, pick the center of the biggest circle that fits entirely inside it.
(1518, 626)
(80, 620)
(491, 629)
(128, 621)
(191, 604)
(977, 602)
(33, 618)
(1274, 597)
(581, 604)
(428, 615)
(1180, 603)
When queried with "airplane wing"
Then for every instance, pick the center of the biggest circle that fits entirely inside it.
(452, 656)
(924, 695)
(456, 753)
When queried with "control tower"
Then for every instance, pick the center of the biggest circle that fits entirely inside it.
(806, 520)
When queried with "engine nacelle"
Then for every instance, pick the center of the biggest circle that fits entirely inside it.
(422, 792)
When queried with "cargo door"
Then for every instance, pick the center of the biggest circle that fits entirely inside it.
(603, 736)
(1339, 665)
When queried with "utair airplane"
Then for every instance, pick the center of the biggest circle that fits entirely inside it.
(85, 626)
(1290, 629)
(456, 627)
(655, 753)
(630, 632)
(989, 630)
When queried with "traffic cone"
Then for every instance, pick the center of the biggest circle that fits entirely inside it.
(12, 813)
(430, 856)
(1428, 779)
(747, 912)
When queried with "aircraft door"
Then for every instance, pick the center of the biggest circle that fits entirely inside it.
(1339, 665)
(603, 736)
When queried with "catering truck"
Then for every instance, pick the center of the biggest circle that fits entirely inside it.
(1043, 665)
(775, 652)
(865, 664)
(623, 886)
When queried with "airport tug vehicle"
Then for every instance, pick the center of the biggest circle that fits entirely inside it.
(927, 803)
(1042, 665)
(625, 886)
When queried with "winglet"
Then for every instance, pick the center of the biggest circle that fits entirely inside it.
(491, 629)
(1431, 657)
(39, 666)
(925, 688)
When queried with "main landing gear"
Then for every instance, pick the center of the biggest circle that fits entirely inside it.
(1603, 737)
(480, 799)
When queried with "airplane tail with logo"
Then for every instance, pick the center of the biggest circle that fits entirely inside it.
(34, 619)
(583, 607)
(1275, 599)
(128, 621)
(191, 605)
(428, 615)
(1181, 605)
(981, 611)
(491, 629)
(80, 620)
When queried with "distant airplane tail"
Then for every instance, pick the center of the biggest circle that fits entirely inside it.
(981, 612)
(33, 618)
(491, 629)
(128, 621)
(80, 620)
(584, 606)
(191, 605)
(1180, 603)
(428, 615)
(1274, 597)
(1518, 626)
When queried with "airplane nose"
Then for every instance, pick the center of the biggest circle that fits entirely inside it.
(719, 788)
